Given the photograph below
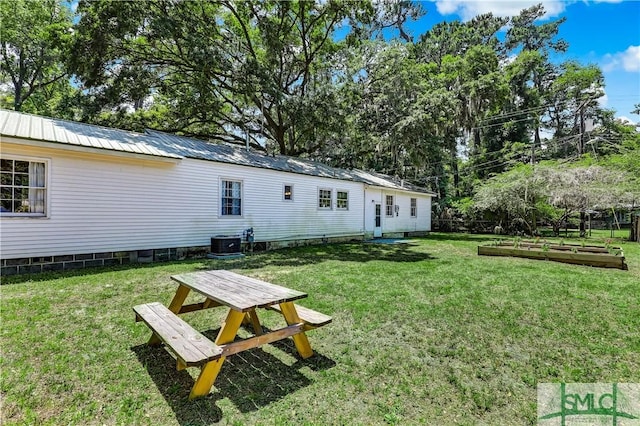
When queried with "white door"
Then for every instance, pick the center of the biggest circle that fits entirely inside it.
(377, 229)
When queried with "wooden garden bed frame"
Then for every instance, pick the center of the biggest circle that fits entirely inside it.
(567, 253)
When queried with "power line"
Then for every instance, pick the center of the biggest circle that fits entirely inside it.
(532, 109)
(562, 141)
(518, 112)
(501, 124)
(474, 168)
(468, 172)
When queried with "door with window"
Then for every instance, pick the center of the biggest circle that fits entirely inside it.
(377, 230)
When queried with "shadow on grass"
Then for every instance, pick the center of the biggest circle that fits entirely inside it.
(443, 236)
(47, 276)
(250, 380)
(295, 256)
(310, 255)
(175, 387)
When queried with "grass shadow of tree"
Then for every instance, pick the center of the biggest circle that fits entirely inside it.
(467, 237)
(175, 387)
(250, 379)
(349, 252)
(81, 272)
(294, 256)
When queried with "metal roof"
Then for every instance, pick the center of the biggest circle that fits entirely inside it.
(37, 128)
(33, 127)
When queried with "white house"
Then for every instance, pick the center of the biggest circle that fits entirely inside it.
(76, 195)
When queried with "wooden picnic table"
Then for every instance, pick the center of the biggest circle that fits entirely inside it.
(243, 296)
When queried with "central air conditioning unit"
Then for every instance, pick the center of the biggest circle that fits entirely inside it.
(225, 244)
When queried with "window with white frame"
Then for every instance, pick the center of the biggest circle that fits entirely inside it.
(231, 198)
(342, 200)
(389, 206)
(23, 187)
(324, 198)
(414, 207)
(287, 193)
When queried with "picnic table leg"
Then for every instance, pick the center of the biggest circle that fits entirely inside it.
(246, 320)
(174, 306)
(251, 317)
(211, 369)
(291, 316)
(179, 298)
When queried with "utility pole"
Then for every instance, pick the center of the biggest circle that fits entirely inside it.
(581, 144)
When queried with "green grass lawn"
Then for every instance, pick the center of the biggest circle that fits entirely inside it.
(424, 333)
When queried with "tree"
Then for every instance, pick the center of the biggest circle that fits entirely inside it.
(527, 35)
(580, 188)
(573, 99)
(34, 39)
(392, 127)
(553, 192)
(223, 69)
(467, 56)
(512, 197)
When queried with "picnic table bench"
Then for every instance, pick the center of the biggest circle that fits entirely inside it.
(311, 319)
(242, 295)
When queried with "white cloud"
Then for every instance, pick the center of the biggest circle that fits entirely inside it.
(603, 100)
(629, 60)
(467, 9)
(625, 120)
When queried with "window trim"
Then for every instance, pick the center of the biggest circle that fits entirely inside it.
(330, 207)
(389, 207)
(47, 189)
(284, 192)
(344, 191)
(221, 198)
(413, 207)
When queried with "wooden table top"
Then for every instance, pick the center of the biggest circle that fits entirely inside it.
(237, 291)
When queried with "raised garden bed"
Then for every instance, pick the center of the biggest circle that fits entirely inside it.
(602, 257)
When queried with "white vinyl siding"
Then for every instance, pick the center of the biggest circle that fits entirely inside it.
(403, 222)
(104, 203)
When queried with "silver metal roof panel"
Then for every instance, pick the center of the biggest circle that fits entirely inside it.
(160, 144)
(34, 127)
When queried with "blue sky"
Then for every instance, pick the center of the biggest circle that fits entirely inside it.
(605, 33)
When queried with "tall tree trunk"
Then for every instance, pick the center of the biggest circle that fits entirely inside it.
(454, 169)
(17, 100)
(536, 143)
(476, 141)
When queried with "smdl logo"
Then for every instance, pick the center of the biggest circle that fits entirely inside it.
(616, 404)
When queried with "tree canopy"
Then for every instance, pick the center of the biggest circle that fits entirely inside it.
(34, 42)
